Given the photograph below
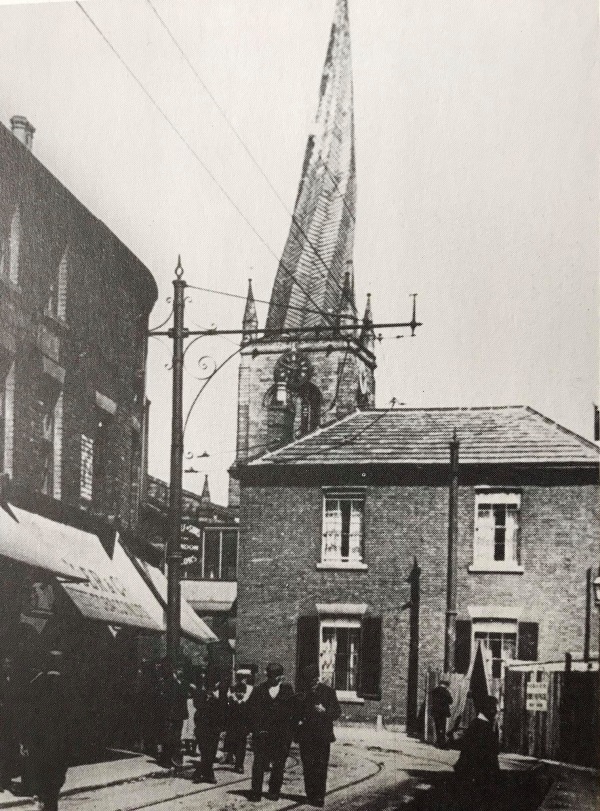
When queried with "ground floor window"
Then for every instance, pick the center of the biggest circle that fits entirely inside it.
(500, 639)
(347, 650)
(339, 653)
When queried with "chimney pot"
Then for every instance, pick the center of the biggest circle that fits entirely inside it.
(22, 129)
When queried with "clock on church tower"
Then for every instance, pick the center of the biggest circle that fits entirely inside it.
(293, 369)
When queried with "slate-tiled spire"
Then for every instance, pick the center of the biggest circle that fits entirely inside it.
(321, 237)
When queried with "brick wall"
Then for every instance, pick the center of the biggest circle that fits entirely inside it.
(97, 345)
(280, 546)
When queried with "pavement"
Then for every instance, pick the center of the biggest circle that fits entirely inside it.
(415, 770)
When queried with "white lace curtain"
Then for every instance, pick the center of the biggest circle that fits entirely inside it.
(343, 517)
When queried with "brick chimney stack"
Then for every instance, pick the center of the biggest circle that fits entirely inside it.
(22, 129)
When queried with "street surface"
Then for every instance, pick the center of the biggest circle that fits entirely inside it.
(360, 776)
(370, 770)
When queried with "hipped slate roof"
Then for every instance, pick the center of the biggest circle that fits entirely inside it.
(487, 435)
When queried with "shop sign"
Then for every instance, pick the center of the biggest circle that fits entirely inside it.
(537, 696)
(191, 550)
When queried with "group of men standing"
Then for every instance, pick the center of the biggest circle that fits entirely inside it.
(278, 716)
(275, 715)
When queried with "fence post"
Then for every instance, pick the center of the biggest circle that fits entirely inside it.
(566, 726)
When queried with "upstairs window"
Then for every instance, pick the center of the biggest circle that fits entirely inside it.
(343, 522)
(7, 403)
(101, 457)
(210, 556)
(51, 408)
(86, 478)
(56, 306)
(10, 245)
(496, 543)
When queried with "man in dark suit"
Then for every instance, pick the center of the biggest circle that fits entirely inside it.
(47, 731)
(441, 701)
(9, 714)
(209, 721)
(272, 714)
(318, 708)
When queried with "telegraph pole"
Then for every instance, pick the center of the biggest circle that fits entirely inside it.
(177, 333)
(450, 636)
(412, 684)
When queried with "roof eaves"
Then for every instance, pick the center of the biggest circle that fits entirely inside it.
(586, 442)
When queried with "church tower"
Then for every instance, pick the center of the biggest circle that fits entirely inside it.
(318, 363)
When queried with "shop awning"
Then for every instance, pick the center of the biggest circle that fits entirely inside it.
(209, 596)
(114, 592)
(38, 542)
(191, 624)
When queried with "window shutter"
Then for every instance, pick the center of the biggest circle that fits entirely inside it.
(528, 641)
(307, 644)
(462, 649)
(369, 660)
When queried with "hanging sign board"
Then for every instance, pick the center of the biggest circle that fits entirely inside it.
(537, 696)
(191, 548)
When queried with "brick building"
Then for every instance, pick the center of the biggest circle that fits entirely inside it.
(337, 499)
(210, 549)
(350, 506)
(74, 307)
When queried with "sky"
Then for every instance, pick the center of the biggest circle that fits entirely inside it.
(477, 170)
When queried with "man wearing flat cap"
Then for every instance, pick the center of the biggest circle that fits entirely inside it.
(272, 715)
(318, 709)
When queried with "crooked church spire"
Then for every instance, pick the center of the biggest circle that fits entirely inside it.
(310, 278)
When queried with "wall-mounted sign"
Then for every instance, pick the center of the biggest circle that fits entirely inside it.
(537, 696)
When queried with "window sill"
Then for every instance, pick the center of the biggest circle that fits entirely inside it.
(496, 568)
(348, 697)
(353, 566)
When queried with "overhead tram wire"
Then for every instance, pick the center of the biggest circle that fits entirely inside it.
(258, 300)
(271, 446)
(193, 152)
(245, 147)
(271, 304)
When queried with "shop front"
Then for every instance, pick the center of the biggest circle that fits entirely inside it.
(60, 588)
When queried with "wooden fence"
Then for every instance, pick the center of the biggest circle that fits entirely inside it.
(552, 714)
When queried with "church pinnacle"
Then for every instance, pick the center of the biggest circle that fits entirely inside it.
(250, 321)
(309, 283)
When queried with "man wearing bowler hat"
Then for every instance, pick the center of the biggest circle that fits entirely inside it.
(271, 711)
(318, 709)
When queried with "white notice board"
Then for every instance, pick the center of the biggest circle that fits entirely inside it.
(537, 696)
